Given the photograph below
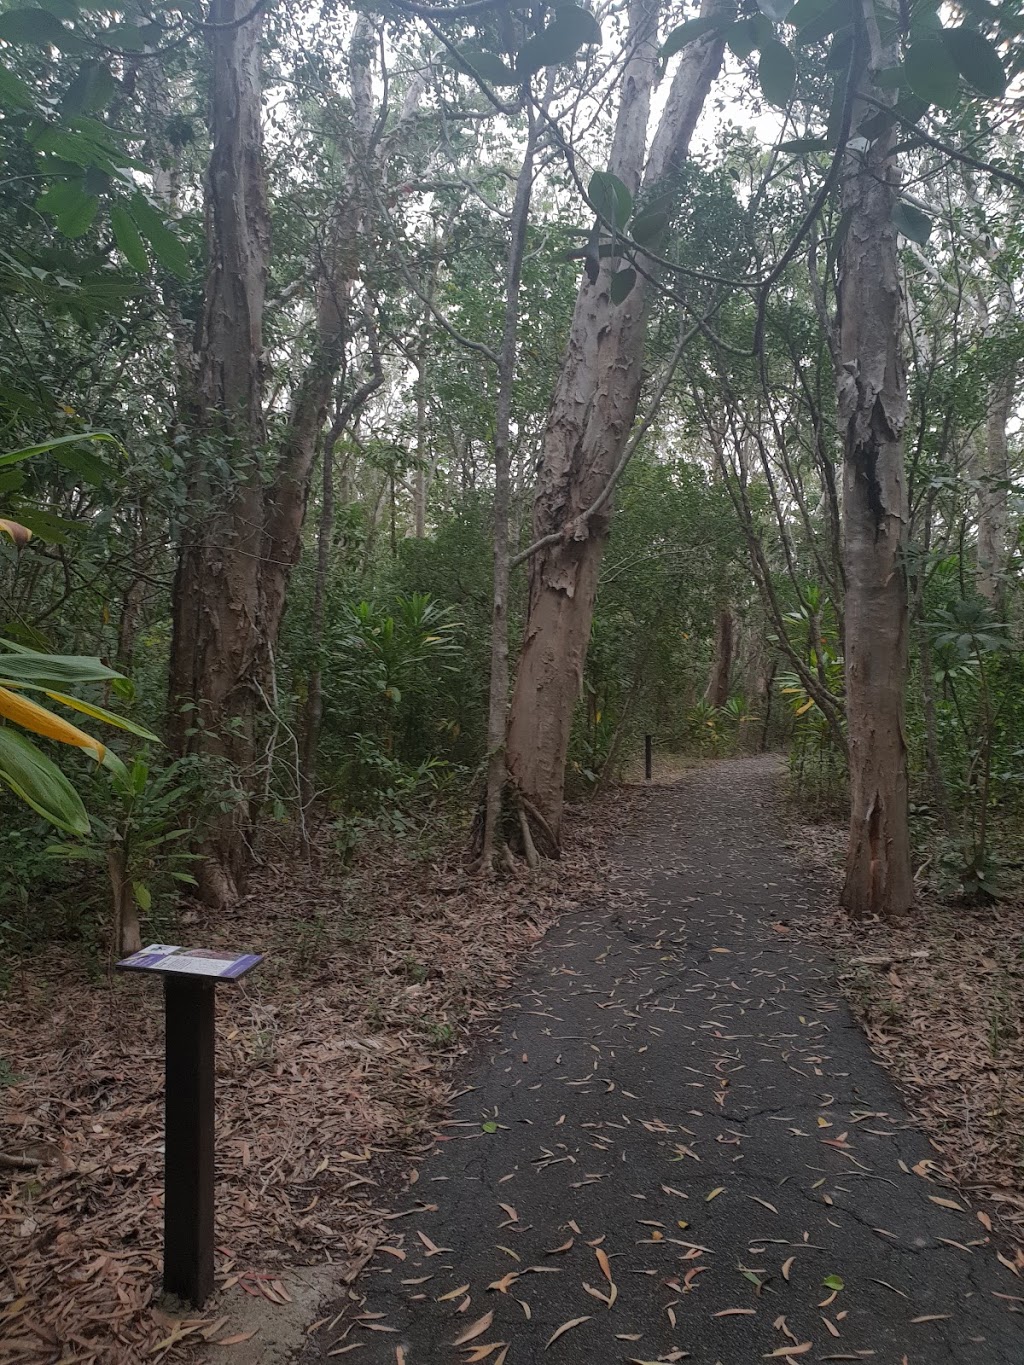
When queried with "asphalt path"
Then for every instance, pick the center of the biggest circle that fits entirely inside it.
(677, 1145)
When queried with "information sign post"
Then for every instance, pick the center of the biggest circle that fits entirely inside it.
(190, 977)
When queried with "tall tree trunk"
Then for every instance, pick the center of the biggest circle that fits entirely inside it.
(218, 645)
(717, 693)
(589, 422)
(497, 709)
(872, 400)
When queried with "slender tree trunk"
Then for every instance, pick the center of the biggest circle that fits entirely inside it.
(497, 709)
(993, 500)
(314, 709)
(127, 932)
(589, 422)
(717, 693)
(872, 399)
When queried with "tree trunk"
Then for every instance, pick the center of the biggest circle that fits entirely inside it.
(236, 557)
(127, 933)
(717, 693)
(589, 422)
(217, 650)
(872, 401)
(497, 709)
(992, 502)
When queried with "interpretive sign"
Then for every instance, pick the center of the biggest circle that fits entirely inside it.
(168, 957)
(190, 977)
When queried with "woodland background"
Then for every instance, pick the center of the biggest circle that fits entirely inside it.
(407, 408)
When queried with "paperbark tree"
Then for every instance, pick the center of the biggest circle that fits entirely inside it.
(588, 425)
(872, 403)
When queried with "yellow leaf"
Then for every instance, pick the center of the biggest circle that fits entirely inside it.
(805, 707)
(714, 1194)
(21, 535)
(453, 1293)
(30, 716)
(800, 1350)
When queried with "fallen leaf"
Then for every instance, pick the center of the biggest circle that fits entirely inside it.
(787, 1266)
(714, 1194)
(799, 1350)
(735, 1313)
(455, 1293)
(947, 1203)
(565, 1327)
(475, 1329)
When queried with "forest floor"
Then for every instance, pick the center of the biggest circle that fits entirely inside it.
(334, 1063)
(678, 1145)
(669, 1105)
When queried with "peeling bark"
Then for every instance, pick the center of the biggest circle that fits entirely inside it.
(589, 422)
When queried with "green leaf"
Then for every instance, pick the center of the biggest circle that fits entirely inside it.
(92, 89)
(571, 29)
(648, 226)
(797, 145)
(14, 93)
(833, 1282)
(142, 895)
(776, 72)
(57, 671)
(931, 72)
(37, 781)
(622, 284)
(610, 198)
(46, 524)
(805, 10)
(977, 61)
(776, 10)
(487, 66)
(167, 246)
(911, 222)
(37, 28)
(87, 466)
(27, 452)
(490, 1126)
(816, 28)
(78, 217)
(742, 38)
(128, 238)
(689, 33)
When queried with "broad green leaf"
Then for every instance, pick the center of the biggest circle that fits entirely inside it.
(87, 466)
(101, 713)
(776, 10)
(931, 72)
(18, 665)
(167, 246)
(610, 198)
(689, 33)
(622, 284)
(816, 28)
(742, 38)
(143, 896)
(14, 93)
(648, 226)
(487, 65)
(805, 10)
(776, 72)
(77, 219)
(37, 781)
(46, 524)
(571, 29)
(490, 1126)
(27, 452)
(910, 221)
(977, 61)
(92, 89)
(37, 28)
(833, 1282)
(128, 238)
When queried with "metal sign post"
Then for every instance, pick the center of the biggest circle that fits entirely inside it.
(190, 976)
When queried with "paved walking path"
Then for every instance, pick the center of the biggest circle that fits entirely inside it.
(679, 1147)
